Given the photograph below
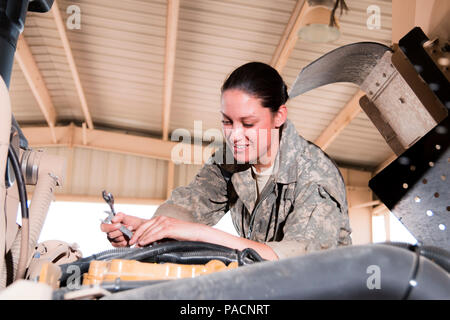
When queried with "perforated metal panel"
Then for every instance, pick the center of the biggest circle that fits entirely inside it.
(415, 187)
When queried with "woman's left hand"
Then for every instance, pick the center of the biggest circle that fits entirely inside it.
(162, 227)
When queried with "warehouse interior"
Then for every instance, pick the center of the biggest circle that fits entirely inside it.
(105, 84)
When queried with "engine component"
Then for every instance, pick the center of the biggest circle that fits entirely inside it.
(131, 270)
(340, 273)
(52, 251)
(12, 17)
(14, 141)
(175, 252)
(30, 165)
(25, 231)
(5, 131)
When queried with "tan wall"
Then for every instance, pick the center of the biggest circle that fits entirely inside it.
(359, 193)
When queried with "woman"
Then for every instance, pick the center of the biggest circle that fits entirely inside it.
(286, 197)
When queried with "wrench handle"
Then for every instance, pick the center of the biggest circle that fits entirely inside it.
(126, 232)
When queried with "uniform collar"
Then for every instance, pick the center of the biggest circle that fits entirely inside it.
(290, 145)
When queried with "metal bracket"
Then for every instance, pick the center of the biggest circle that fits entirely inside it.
(415, 187)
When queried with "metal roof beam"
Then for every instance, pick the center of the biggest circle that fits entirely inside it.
(289, 37)
(27, 63)
(173, 7)
(73, 136)
(98, 199)
(70, 59)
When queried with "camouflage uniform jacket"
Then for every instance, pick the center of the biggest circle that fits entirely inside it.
(302, 208)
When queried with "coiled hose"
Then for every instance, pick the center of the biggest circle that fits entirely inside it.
(183, 252)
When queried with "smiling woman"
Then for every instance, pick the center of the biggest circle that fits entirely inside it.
(285, 195)
(250, 135)
(253, 110)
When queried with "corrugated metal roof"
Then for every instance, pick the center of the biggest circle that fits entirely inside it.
(214, 37)
(119, 52)
(45, 44)
(23, 103)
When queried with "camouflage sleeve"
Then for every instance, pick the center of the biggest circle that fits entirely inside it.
(318, 221)
(204, 200)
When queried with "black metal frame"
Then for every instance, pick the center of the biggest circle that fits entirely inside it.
(415, 187)
(12, 22)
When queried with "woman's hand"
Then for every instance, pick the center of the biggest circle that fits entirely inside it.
(162, 227)
(115, 236)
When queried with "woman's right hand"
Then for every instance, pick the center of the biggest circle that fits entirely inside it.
(114, 235)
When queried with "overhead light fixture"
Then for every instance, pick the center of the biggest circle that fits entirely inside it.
(319, 23)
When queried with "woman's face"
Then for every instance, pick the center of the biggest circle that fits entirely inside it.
(251, 130)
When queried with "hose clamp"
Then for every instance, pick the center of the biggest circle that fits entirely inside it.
(30, 165)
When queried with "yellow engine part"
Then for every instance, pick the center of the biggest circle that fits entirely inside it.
(131, 270)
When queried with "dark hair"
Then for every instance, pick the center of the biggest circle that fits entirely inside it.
(259, 80)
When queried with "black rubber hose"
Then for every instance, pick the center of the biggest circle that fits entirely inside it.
(183, 252)
(248, 254)
(185, 247)
(138, 254)
(195, 257)
(25, 229)
(107, 254)
(199, 256)
(176, 246)
(20, 182)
